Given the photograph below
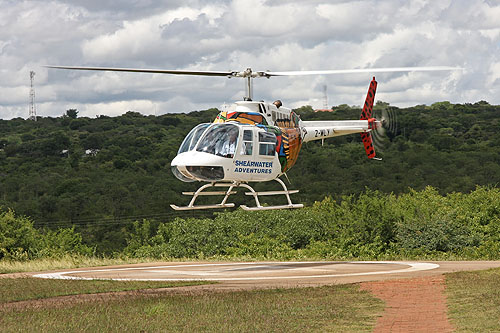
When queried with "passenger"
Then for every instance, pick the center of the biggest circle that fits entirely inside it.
(229, 146)
(278, 103)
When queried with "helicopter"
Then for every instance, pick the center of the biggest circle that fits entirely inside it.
(255, 141)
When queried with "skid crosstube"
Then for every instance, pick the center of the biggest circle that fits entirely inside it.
(226, 194)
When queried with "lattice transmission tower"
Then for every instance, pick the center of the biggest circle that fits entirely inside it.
(325, 97)
(32, 106)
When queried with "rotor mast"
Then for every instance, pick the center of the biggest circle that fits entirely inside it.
(249, 90)
(249, 75)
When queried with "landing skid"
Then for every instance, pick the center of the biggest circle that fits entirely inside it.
(230, 191)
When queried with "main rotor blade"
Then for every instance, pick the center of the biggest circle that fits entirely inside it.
(364, 70)
(137, 70)
(249, 73)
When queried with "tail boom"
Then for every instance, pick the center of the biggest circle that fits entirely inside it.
(319, 130)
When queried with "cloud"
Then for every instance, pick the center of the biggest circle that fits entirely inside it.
(148, 39)
(236, 34)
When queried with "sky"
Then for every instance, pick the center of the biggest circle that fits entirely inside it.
(274, 35)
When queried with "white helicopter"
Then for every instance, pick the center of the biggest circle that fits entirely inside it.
(257, 141)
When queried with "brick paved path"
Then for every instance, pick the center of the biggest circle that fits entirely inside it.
(412, 305)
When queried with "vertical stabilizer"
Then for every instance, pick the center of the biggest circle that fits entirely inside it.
(366, 114)
(370, 97)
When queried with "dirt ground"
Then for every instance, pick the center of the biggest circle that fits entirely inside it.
(412, 305)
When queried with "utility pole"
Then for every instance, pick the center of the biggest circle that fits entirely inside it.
(32, 107)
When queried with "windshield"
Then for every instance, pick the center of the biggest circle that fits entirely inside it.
(220, 139)
(192, 138)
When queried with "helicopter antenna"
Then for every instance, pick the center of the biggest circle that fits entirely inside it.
(286, 176)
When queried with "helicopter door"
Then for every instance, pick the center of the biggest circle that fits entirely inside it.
(267, 144)
(245, 156)
(247, 143)
(256, 159)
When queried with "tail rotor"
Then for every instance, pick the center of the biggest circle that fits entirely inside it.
(381, 124)
(386, 128)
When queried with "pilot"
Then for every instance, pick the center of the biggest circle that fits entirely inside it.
(277, 103)
(229, 146)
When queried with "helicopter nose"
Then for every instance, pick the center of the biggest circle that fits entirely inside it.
(181, 175)
(207, 173)
(180, 171)
(189, 167)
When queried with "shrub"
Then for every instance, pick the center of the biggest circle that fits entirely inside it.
(17, 236)
(19, 240)
(372, 225)
(62, 242)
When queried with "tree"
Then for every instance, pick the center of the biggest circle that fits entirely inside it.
(72, 113)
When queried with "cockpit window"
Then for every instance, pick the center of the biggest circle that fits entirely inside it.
(192, 138)
(267, 143)
(247, 145)
(220, 139)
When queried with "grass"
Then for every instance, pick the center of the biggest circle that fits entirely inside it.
(28, 288)
(474, 300)
(335, 308)
(69, 262)
(473, 305)
(46, 264)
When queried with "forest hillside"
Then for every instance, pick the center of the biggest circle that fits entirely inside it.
(99, 175)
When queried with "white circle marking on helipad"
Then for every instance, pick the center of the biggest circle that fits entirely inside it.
(414, 267)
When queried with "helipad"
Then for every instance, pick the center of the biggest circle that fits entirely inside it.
(246, 271)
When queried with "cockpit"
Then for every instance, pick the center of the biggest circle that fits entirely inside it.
(228, 145)
(192, 138)
(223, 139)
(220, 140)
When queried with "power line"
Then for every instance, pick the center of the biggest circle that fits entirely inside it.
(118, 220)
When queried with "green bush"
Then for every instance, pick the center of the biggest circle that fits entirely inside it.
(430, 222)
(62, 242)
(20, 240)
(17, 236)
(372, 225)
(252, 246)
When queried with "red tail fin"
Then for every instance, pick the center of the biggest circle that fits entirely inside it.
(366, 114)
(370, 97)
(367, 141)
